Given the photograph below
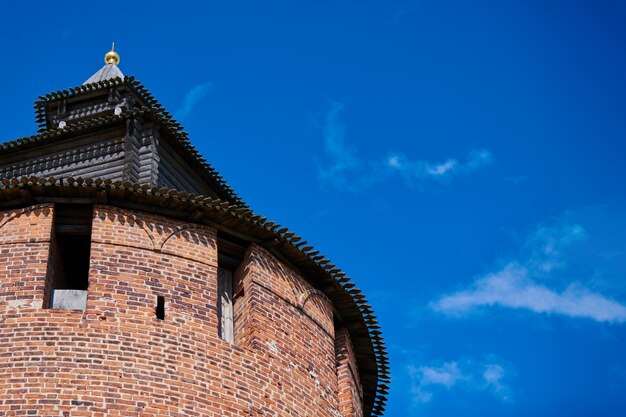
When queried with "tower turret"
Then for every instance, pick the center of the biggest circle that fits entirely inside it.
(135, 282)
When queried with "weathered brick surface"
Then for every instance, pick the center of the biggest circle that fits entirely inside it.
(24, 247)
(270, 317)
(117, 359)
(350, 392)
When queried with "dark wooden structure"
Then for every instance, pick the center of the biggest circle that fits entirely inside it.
(112, 129)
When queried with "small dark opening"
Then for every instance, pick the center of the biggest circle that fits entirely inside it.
(160, 308)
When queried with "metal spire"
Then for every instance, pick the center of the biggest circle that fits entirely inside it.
(110, 70)
(112, 57)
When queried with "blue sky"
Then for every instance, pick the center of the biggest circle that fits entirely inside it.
(463, 161)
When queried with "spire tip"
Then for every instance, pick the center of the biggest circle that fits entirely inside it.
(112, 57)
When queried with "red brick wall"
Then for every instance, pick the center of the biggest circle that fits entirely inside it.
(349, 391)
(117, 359)
(278, 315)
(24, 247)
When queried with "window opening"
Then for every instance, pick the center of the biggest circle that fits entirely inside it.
(68, 263)
(160, 307)
(230, 254)
(225, 290)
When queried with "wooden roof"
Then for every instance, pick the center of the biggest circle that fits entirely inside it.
(107, 72)
(149, 106)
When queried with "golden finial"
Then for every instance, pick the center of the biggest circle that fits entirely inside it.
(112, 57)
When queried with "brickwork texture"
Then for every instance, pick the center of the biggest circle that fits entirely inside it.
(116, 358)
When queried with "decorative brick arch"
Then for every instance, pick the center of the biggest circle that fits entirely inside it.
(182, 228)
(132, 217)
(304, 297)
(17, 213)
(321, 312)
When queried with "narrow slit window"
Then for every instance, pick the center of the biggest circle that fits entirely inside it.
(225, 304)
(230, 253)
(160, 307)
(68, 263)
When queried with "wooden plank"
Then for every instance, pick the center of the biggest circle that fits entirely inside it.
(225, 308)
(180, 171)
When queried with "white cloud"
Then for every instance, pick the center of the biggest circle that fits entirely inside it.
(346, 171)
(343, 159)
(493, 375)
(192, 97)
(441, 169)
(511, 287)
(394, 161)
(515, 284)
(466, 375)
(419, 171)
(447, 375)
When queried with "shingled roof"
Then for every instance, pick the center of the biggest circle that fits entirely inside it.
(107, 72)
(110, 69)
(223, 209)
(147, 105)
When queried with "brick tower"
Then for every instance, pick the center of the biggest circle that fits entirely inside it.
(134, 282)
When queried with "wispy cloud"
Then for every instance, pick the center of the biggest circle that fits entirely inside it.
(466, 375)
(493, 375)
(511, 287)
(414, 171)
(345, 170)
(343, 159)
(192, 98)
(518, 284)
